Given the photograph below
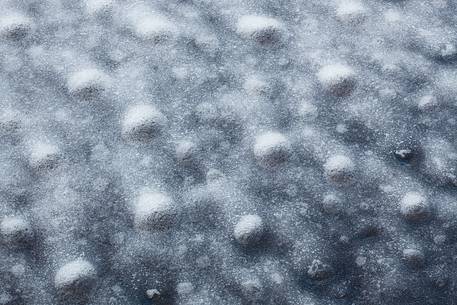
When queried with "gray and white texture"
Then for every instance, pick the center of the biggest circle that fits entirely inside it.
(212, 152)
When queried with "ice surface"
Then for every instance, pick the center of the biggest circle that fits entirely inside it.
(195, 152)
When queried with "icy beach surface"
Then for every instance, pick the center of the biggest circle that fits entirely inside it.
(230, 152)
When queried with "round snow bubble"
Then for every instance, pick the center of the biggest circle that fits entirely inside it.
(339, 168)
(15, 26)
(99, 7)
(337, 79)
(427, 103)
(186, 152)
(214, 175)
(44, 155)
(252, 289)
(261, 29)
(319, 270)
(157, 29)
(257, 86)
(153, 294)
(351, 11)
(271, 149)
(75, 278)
(87, 83)
(148, 25)
(392, 16)
(16, 230)
(143, 122)
(404, 154)
(414, 207)
(153, 211)
(10, 122)
(184, 288)
(307, 111)
(413, 257)
(249, 229)
(332, 204)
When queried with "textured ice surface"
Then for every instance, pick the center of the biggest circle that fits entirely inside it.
(197, 152)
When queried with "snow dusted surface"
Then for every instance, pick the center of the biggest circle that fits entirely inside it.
(196, 152)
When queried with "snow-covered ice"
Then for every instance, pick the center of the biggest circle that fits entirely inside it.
(242, 152)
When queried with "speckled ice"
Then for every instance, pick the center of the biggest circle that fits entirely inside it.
(228, 152)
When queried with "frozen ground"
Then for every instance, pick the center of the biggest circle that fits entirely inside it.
(212, 152)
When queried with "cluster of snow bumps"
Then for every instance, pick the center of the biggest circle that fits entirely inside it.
(197, 152)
